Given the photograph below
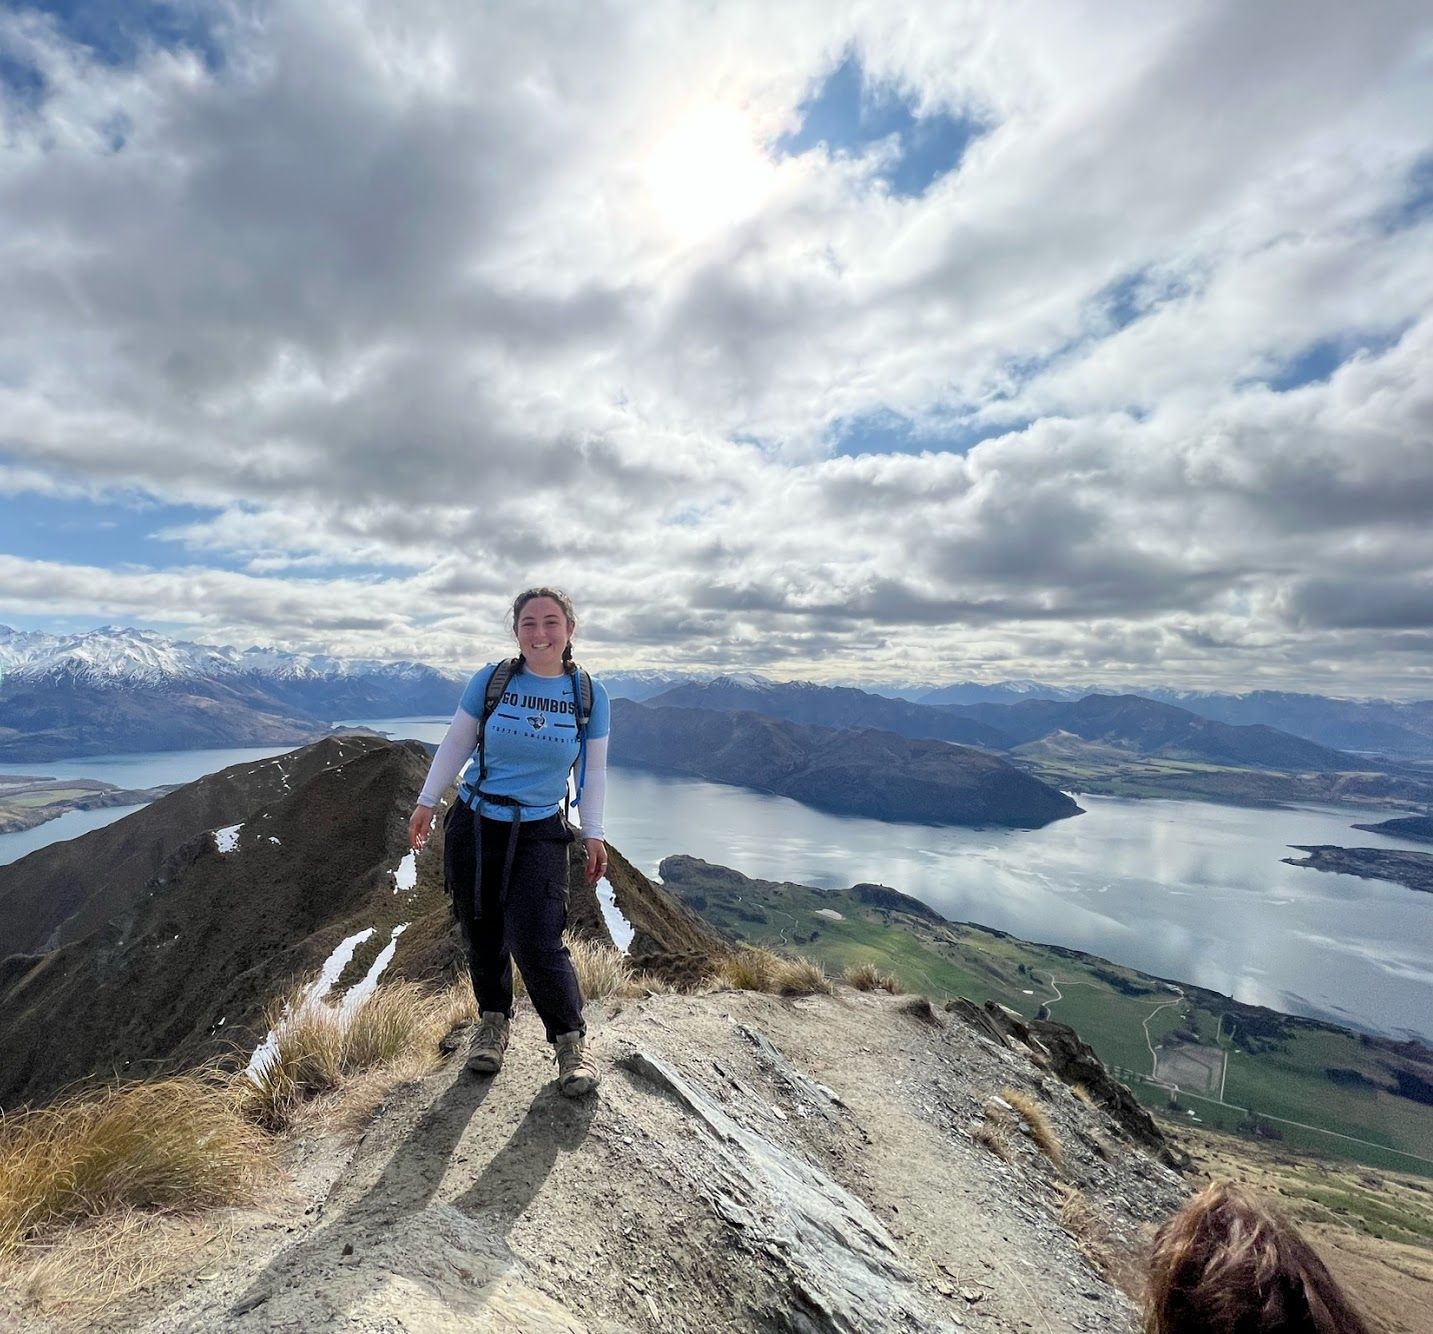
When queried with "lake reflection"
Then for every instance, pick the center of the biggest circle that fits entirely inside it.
(1181, 889)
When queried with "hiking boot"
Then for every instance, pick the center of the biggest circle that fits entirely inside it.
(489, 1043)
(576, 1070)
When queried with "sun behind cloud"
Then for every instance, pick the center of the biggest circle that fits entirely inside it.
(707, 172)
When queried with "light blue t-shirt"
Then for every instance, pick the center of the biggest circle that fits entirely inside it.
(531, 741)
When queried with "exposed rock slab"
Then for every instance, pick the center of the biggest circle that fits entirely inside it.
(847, 1275)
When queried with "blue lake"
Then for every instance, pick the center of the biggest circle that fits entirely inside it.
(1185, 890)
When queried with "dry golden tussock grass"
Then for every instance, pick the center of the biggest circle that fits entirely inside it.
(992, 1135)
(166, 1144)
(1040, 1128)
(803, 977)
(867, 977)
(602, 971)
(319, 1046)
(1092, 1236)
(763, 970)
(90, 1268)
(749, 970)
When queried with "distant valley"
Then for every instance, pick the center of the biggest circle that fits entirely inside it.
(1241, 1067)
(1120, 745)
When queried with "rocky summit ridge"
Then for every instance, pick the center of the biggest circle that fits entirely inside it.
(851, 1161)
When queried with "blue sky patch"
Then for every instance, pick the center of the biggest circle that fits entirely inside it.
(20, 82)
(1417, 202)
(1320, 359)
(116, 31)
(1134, 295)
(125, 534)
(84, 532)
(848, 113)
(886, 432)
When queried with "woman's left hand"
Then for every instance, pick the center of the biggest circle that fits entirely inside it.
(596, 860)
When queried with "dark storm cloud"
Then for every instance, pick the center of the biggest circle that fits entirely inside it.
(1365, 604)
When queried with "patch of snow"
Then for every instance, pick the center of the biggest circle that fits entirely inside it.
(265, 1054)
(619, 927)
(406, 876)
(334, 965)
(314, 994)
(360, 992)
(227, 839)
(831, 913)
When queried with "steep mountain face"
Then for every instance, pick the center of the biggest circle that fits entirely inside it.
(116, 690)
(157, 941)
(832, 706)
(851, 772)
(182, 935)
(67, 890)
(57, 717)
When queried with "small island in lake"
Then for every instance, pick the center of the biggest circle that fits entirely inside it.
(1413, 869)
(1416, 827)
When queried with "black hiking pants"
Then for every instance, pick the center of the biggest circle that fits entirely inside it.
(511, 906)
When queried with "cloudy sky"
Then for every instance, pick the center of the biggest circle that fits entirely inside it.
(835, 340)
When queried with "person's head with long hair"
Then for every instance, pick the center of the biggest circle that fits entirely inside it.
(553, 602)
(1225, 1264)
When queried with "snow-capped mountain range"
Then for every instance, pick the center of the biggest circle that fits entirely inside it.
(113, 656)
(115, 690)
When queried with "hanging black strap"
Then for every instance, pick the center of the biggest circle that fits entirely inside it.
(503, 672)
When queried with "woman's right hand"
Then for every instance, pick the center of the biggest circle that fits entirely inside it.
(420, 825)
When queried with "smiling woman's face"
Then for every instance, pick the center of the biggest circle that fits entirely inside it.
(543, 631)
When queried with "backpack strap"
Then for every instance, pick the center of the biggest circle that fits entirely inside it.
(582, 702)
(497, 683)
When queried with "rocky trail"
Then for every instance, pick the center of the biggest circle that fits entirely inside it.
(749, 1163)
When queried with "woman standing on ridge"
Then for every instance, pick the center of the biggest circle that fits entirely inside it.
(524, 725)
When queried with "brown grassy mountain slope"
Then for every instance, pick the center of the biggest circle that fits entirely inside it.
(177, 967)
(174, 946)
(82, 882)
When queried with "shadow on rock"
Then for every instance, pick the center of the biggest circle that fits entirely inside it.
(553, 1125)
(406, 1185)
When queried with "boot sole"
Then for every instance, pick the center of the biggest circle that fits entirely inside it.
(577, 1086)
(485, 1065)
